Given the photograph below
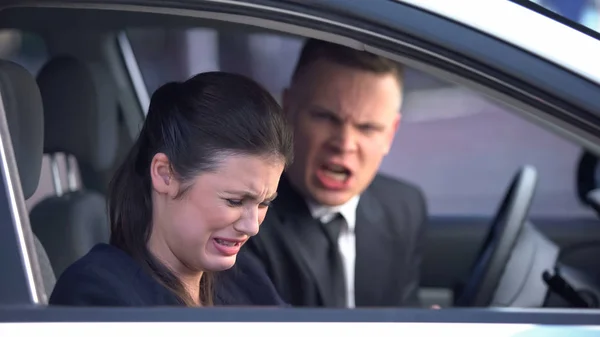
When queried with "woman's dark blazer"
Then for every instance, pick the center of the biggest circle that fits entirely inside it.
(107, 276)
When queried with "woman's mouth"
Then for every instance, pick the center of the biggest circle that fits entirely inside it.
(228, 247)
(228, 243)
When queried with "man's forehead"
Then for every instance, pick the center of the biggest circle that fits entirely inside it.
(355, 96)
(324, 71)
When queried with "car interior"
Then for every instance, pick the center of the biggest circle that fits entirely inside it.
(502, 191)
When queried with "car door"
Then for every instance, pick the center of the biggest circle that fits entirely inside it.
(561, 99)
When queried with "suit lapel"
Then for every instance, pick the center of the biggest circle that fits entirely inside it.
(295, 216)
(374, 252)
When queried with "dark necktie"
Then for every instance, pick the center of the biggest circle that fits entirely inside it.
(336, 265)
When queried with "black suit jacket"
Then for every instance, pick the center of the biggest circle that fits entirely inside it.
(107, 276)
(390, 222)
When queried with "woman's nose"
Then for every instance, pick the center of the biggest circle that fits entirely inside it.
(249, 223)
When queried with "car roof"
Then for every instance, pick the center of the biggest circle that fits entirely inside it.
(524, 28)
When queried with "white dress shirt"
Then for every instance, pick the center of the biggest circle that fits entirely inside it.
(346, 241)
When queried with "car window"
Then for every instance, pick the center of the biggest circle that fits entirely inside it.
(463, 149)
(459, 147)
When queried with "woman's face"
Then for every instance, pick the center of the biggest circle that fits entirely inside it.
(205, 228)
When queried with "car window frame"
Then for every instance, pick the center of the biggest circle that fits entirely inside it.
(16, 242)
(310, 20)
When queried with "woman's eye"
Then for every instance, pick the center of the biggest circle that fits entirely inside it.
(234, 203)
(265, 204)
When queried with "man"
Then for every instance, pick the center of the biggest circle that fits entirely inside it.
(339, 234)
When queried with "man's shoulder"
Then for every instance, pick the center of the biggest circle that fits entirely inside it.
(385, 185)
(399, 197)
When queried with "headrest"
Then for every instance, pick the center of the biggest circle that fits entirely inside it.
(80, 105)
(25, 117)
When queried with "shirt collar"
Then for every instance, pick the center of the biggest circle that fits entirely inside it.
(326, 213)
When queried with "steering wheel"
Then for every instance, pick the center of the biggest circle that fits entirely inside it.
(500, 240)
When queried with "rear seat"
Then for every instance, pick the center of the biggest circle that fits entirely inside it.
(81, 119)
(25, 117)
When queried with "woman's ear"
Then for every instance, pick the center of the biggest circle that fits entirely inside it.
(163, 179)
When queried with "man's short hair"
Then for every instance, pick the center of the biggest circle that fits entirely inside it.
(314, 50)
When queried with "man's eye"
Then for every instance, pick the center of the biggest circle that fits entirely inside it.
(234, 203)
(366, 129)
(324, 116)
(265, 204)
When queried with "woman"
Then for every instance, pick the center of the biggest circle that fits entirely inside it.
(195, 187)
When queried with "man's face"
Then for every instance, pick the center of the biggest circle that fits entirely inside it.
(344, 122)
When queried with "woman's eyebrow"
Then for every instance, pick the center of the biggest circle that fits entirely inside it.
(251, 196)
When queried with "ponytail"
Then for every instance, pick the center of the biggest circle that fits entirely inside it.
(130, 209)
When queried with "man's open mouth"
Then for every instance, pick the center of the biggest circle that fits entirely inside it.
(336, 172)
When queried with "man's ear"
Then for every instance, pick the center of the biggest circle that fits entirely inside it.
(392, 133)
(161, 174)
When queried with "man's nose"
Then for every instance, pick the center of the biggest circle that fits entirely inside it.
(248, 223)
(345, 139)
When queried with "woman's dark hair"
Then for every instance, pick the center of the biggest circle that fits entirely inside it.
(193, 123)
